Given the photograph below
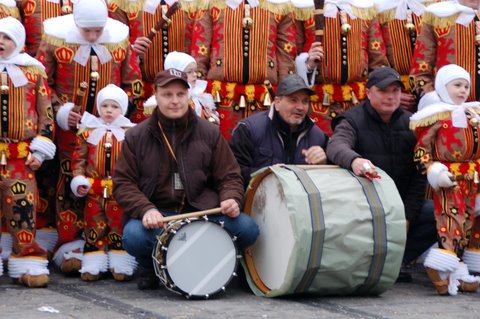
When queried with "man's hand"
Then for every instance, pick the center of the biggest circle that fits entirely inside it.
(33, 162)
(73, 119)
(230, 208)
(315, 55)
(408, 102)
(315, 155)
(141, 45)
(362, 166)
(153, 219)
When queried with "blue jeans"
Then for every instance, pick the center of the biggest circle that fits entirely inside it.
(139, 241)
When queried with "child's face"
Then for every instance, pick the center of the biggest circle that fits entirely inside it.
(91, 34)
(110, 111)
(7, 46)
(458, 90)
(191, 71)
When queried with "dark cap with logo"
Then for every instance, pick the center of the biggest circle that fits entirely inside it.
(165, 77)
(383, 77)
(291, 84)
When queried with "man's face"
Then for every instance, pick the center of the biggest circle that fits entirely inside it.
(474, 4)
(293, 108)
(91, 34)
(385, 101)
(172, 99)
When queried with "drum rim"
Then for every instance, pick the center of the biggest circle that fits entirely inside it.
(164, 269)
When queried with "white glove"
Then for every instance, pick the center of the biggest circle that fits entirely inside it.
(444, 180)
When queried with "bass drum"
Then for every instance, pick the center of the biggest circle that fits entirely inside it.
(323, 231)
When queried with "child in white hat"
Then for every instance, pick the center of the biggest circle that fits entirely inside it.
(447, 150)
(26, 130)
(99, 142)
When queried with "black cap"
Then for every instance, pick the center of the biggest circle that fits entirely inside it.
(291, 84)
(165, 77)
(383, 77)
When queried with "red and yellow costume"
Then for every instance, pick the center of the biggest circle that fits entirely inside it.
(238, 48)
(34, 13)
(58, 52)
(142, 16)
(447, 36)
(347, 58)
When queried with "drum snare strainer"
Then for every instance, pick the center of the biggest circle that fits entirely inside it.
(195, 257)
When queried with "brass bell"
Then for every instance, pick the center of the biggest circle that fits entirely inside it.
(66, 9)
(242, 104)
(354, 99)
(252, 106)
(247, 22)
(474, 122)
(218, 99)
(95, 75)
(476, 180)
(410, 26)
(345, 28)
(326, 99)
(107, 146)
(4, 88)
(3, 159)
(267, 101)
(105, 192)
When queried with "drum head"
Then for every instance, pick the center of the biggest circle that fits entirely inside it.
(201, 259)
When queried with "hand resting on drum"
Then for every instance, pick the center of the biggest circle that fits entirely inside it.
(230, 208)
(362, 166)
(315, 155)
(153, 219)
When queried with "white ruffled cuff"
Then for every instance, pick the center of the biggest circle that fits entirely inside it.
(77, 181)
(47, 238)
(73, 249)
(94, 263)
(302, 69)
(472, 259)
(6, 243)
(434, 172)
(445, 263)
(121, 262)
(62, 115)
(44, 146)
(25, 265)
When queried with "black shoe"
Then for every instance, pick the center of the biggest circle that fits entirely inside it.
(148, 280)
(404, 276)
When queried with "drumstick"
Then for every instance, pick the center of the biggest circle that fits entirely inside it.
(194, 214)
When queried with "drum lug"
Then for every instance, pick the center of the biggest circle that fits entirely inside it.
(187, 220)
(234, 238)
(205, 217)
(239, 256)
(234, 274)
(223, 288)
(207, 296)
(173, 231)
(164, 248)
(221, 223)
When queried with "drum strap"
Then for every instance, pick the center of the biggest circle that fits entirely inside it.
(318, 228)
(379, 234)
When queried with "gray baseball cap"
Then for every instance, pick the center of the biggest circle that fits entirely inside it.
(383, 77)
(291, 84)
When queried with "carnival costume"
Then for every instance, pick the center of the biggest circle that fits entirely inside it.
(239, 45)
(143, 18)
(77, 70)
(352, 46)
(450, 33)
(447, 150)
(93, 164)
(26, 128)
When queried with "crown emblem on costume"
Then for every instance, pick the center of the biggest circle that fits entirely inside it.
(68, 216)
(29, 7)
(25, 237)
(64, 55)
(18, 188)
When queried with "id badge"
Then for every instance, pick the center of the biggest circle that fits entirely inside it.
(177, 182)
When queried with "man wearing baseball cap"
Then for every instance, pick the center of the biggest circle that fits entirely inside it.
(176, 162)
(376, 134)
(284, 134)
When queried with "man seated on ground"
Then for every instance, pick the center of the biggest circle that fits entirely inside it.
(284, 134)
(176, 162)
(376, 134)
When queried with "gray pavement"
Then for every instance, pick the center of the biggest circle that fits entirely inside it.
(73, 298)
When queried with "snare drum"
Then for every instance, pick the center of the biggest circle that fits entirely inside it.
(195, 257)
(323, 231)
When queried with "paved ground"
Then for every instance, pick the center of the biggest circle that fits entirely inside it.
(73, 298)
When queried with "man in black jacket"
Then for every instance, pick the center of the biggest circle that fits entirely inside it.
(376, 133)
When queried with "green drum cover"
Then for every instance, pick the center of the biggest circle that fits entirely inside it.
(343, 260)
